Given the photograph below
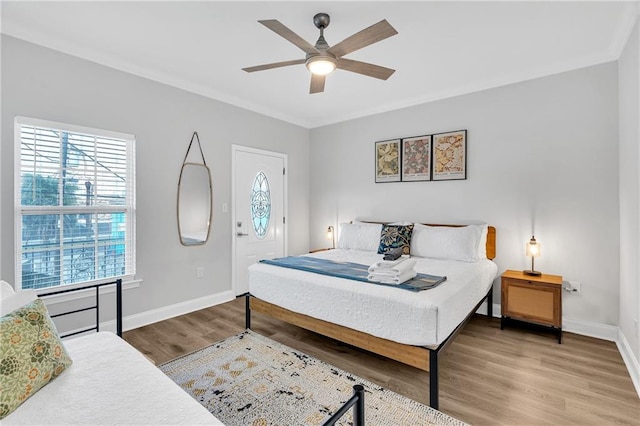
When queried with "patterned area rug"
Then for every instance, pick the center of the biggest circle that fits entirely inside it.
(249, 379)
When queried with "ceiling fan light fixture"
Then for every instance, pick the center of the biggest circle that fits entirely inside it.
(321, 65)
(323, 59)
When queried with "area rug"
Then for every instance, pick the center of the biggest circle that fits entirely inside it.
(249, 379)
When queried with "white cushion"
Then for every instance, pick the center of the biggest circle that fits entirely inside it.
(5, 289)
(359, 236)
(482, 245)
(16, 300)
(444, 242)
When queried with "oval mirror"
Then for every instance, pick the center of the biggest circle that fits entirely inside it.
(195, 197)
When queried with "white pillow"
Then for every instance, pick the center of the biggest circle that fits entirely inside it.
(445, 242)
(482, 245)
(14, 301)
(5, 289)
(359, 236)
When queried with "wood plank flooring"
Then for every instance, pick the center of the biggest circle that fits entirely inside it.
(488, 376)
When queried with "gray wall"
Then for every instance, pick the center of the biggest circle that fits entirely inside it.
(629, 92)
(42, 83)
(555, 139)
(542, 158)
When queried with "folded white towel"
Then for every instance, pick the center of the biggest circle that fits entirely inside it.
(398, 279)
(388, 263)
(399, 268)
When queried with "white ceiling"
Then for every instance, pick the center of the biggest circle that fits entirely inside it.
(442, 49)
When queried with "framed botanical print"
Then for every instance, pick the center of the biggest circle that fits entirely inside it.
(450, 155)
(416, 159)
(388, 161)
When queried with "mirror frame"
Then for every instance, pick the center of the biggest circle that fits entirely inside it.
(209, 219)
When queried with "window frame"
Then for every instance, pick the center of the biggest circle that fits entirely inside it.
(129, 207)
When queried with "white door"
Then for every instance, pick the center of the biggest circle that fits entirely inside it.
(259, 210)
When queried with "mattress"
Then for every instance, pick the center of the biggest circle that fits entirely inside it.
(110, 383)
(423, 318)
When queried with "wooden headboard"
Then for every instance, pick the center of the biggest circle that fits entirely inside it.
(491, 235)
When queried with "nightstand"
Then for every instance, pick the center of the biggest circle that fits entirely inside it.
(532, 299)
(320, 249)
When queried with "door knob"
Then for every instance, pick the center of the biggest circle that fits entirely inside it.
(241, 234)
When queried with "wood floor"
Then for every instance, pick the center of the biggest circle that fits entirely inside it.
(488, 376)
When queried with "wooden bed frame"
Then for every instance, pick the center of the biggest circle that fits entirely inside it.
(424, 358)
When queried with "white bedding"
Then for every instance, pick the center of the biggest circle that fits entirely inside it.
(110, 383)
(423, 318)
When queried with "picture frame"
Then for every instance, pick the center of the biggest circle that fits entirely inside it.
(387, 161)
(449, 156)
(416, 158)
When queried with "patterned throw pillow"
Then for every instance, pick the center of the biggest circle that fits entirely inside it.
(393, 236)
(31, 354)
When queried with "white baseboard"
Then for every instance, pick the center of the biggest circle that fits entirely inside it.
(591, 329)
(633, 366)
(160, 314)
(483, 310)
(149, 317)
(585, 328)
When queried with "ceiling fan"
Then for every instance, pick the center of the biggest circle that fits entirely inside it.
(322, 59)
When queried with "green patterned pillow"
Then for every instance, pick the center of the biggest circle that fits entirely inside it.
(394, 236)
(31, 354)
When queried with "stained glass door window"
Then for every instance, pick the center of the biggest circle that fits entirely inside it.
(260, 205)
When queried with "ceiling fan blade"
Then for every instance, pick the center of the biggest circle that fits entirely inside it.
(370, 35)
(365, 68)
(317, 83)
(278, 28)
(274, 65)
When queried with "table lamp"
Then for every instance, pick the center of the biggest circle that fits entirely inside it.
(533, 250)
(330, 236)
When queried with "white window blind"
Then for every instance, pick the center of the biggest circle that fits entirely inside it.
(75, 204)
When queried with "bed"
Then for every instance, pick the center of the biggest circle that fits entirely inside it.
(107, 382)
(413, 328)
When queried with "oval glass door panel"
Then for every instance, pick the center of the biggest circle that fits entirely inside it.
(194, 204)
(260, 205)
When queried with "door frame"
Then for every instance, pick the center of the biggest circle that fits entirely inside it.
(285, 228)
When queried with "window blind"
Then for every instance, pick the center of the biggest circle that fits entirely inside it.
(75, 194)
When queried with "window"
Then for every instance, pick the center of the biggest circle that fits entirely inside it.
(75, 204)
(260, 205)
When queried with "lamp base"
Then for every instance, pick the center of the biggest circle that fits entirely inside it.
(533, 273)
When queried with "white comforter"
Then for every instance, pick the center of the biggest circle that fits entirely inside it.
(423, 318)
(110, 383)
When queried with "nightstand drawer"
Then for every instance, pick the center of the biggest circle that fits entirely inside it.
(531, 303)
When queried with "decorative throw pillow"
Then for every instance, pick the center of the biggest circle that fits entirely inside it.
(31, 354)
(394, 236)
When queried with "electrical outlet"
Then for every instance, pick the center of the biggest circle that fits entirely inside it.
(199, 272)
(576, 286)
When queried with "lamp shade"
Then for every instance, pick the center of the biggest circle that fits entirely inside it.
(331, 236)
(533, 251)
(330, 233)
(533, 248)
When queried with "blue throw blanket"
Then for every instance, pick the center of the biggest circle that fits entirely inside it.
(350, 271)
